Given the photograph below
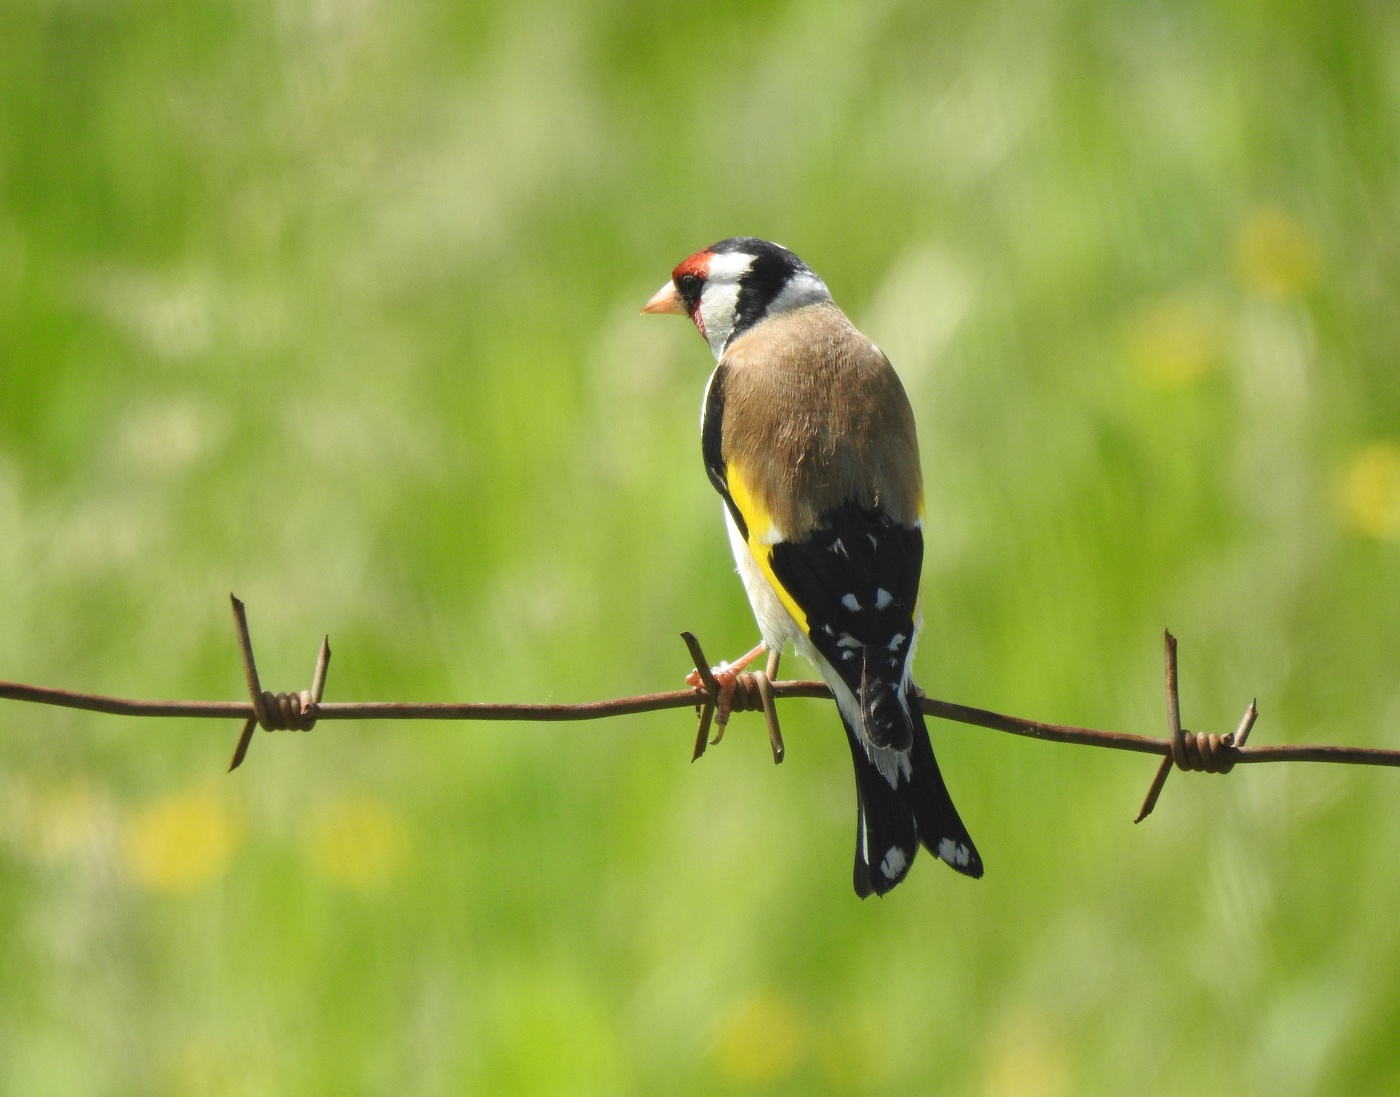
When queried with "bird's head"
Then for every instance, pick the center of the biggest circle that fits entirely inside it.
(730, 286)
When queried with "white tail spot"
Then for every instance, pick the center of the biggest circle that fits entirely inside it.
(894, 863)
(955, 853)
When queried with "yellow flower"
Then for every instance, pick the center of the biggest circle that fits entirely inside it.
(1370, 491)
(761, 1038)
(359, 843)
(1173, 342)
(180, 842)
(1275, 254)
(1025, 1058)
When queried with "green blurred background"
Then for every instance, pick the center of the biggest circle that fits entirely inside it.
(334, 304)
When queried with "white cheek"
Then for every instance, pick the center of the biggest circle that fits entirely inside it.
(717, 306)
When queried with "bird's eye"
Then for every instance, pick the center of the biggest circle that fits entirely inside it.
(689, 285)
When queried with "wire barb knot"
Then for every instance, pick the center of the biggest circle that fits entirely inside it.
(1193, 751)
(748, 695)
(1204, 753)
(275, 711)
(752, 692)
(286, 711)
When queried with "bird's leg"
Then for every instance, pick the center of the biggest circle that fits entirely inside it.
(726, 674)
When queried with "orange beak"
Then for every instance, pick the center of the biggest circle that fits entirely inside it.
(666, 299)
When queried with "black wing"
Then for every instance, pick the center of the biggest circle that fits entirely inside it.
(712, 444)
(856, 577)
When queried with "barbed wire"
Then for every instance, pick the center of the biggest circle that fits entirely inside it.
(754, 691)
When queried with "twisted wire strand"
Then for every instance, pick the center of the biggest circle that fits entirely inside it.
(753, 691)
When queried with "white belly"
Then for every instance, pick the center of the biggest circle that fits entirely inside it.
(778, 629)
(775, 623)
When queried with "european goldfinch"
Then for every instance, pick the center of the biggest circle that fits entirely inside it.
(808, 436)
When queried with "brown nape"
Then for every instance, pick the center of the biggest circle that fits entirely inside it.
(813, 411)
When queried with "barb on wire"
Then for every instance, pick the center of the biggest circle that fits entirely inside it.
(275, 711)
(757, 691)
(753, 691)
(1200, 752)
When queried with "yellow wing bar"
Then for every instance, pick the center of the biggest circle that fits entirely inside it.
(763, 534)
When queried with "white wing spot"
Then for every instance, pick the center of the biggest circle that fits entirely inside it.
(848, 655)
(894, 863)
(846, 640)
(955, 853)
(849, 601)
(839, 547)
(882, 598)
(895, 641)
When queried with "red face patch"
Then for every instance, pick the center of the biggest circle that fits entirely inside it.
(696, 267)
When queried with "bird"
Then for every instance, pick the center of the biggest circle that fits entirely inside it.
(809, 438)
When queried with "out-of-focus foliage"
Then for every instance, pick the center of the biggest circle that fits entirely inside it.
(335, 304)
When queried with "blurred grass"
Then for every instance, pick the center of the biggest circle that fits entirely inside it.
(335, 305)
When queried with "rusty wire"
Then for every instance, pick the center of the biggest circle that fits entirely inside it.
(756, 691)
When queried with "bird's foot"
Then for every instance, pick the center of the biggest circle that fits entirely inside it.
(726, 675)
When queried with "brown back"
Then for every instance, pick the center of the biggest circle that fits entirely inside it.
(815, 416)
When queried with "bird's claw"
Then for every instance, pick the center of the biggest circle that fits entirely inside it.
(726, 676)
(719, 685)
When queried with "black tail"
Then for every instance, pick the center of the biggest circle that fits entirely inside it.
(941, 829)
(887, 837)
(894, 819)
(887, 722)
